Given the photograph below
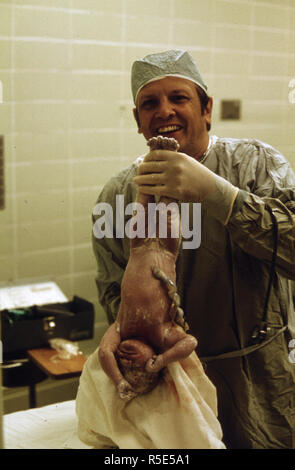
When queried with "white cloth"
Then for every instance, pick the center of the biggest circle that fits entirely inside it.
(180, 413)
(49, 427)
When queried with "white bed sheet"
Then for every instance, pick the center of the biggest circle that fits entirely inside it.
(49, 427)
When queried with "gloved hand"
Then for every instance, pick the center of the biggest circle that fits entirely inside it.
(181, 177)
(174, 175)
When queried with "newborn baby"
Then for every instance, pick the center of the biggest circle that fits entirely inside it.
(147, 405)
(149, 332)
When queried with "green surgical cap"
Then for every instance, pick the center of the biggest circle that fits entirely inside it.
(175, 63)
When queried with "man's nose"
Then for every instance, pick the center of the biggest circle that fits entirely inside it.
(165, 109)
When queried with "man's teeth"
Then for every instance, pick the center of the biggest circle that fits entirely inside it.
(168, 129)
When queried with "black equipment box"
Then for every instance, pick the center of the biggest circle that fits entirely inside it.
(32, 327)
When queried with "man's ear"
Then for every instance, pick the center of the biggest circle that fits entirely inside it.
(208, 112)
(136, 117)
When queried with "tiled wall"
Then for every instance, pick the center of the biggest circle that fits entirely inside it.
(66, 112)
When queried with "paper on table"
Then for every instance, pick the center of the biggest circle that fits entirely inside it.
(31, 294)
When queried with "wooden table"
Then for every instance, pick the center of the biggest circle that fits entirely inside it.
(54, 367)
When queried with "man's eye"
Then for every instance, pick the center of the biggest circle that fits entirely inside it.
(178, 98)
(147, 104)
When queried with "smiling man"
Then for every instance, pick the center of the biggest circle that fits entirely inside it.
(172, 108)
(235, 294)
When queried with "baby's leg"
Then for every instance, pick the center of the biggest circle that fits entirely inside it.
(177, 345)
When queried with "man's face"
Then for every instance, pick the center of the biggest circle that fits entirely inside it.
(171, 107)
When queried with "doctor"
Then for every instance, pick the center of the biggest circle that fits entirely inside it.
(235, 293)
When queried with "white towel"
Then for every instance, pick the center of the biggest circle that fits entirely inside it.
(180, 413)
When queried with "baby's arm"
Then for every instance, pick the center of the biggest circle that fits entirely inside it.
(106, 354)
(177, 345)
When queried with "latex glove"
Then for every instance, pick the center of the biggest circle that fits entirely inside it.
(181, 177)
(174, 175)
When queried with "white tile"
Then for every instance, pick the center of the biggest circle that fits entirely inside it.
(151, 31)
(232, 38)
(193, 10)
(192, 34)
(232, 12)
(270, 41)
(95, 26)
(271, 16)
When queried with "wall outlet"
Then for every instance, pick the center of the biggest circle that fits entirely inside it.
(230, 109)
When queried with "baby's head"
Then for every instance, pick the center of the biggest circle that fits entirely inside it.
(132, 356)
